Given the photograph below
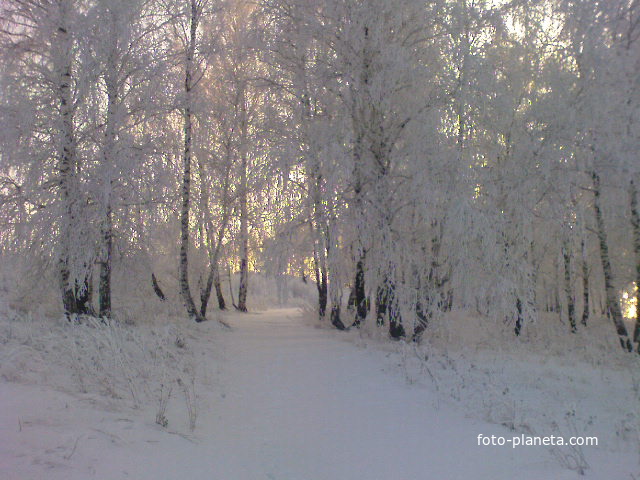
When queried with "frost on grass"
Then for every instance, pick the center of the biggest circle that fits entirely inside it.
(581, 385)
(139, 367)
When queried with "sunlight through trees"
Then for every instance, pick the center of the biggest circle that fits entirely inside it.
(410, 158)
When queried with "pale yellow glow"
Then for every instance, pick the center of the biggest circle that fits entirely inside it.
(630, 302)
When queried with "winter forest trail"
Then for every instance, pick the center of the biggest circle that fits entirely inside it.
(288, 402)
(303, 404)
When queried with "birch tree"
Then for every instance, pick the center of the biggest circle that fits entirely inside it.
(39, 44)
(194, 10)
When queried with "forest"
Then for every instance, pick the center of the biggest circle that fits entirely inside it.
(319, 239)
(408, 158)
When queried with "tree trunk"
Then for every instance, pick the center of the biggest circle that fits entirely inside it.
(244, 269)
(320, 271)
(381, 304)
(334, 285)
(359, 292)
(635, 224)
(185, 291)
(215, 245)
(244, 220)
(322, 292)
(359, 289)
(613, 303)
(104, 287)
(556, 292)
(320, 245)
(222, 305)
(335, 317)
(156, 288)
(317, 212)
(422, 312)
(387, 308)
(213, 281)
(243, 282)
(205, 293)
(585, 285)
(75, 295)
(566, 256)
(233, 301)
(519, 320)
(336, 301)
(396, 329)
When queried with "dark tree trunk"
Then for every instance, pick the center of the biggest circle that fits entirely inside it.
(205, 293)
(566, 256)
(585, 285)
(519, 320)
(186, 178)
(396, 329)
(71, 301)
(381, 304)
(613, 303)
(83, 291)
(422, 315)
(387, 308)
(322, 291)
(243, 285)
(213, 280)
(222, 305)
(635, 224)
(156, 288)
(109, 164)
(244, 210)
(104, 294)
(422, 312)
(335, 318)
(233, 301)
(68, 294)
(360, 298)
(422, 324)
(556, 306)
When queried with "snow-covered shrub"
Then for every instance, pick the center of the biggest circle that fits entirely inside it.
(571, 457)
(580, 384)
(135, 366)
(28, 285)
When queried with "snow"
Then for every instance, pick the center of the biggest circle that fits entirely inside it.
(277, 399)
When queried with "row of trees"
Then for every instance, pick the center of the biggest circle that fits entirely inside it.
(108, 110)
(410, 157)
(468, 154)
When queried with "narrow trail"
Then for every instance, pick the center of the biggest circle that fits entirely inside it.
(302, 404)
(287, 402)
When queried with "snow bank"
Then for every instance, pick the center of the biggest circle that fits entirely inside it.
(545, 382)
(117, 365)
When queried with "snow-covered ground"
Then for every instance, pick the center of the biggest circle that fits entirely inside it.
(275, 398)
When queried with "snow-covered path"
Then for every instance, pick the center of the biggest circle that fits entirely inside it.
(301, 404)
(289, 402)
